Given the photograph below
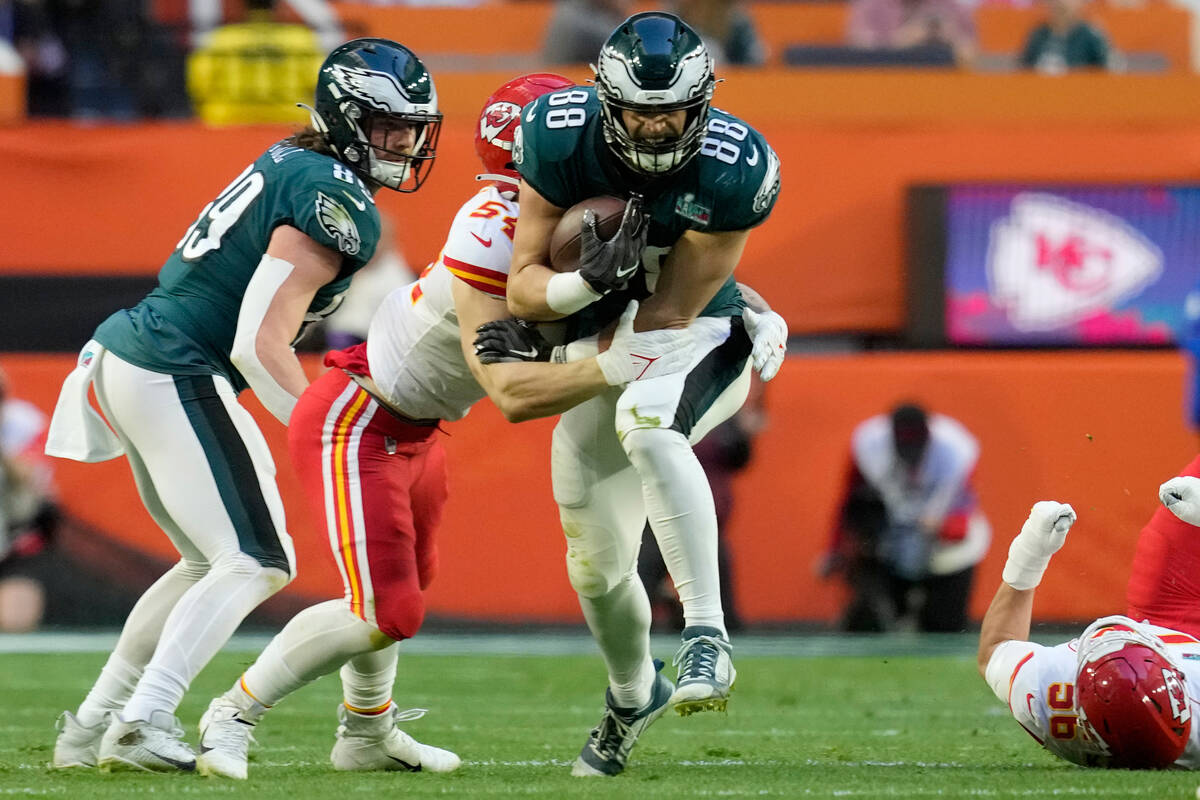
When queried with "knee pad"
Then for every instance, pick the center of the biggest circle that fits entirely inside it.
(399, 613)
(241, 565)
(653, 448)
(593, 573)
(191, 571)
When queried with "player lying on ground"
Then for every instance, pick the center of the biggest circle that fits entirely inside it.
(1121, 694)
(364, 442)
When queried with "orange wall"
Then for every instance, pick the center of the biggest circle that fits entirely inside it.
(831, 257)
(504, 29)
(1100, 431)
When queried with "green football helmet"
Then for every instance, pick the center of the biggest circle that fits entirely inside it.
(371, 83)
(654, 62)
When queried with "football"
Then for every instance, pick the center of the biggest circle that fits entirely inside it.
(564, 242)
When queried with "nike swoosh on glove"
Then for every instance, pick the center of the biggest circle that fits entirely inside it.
(649, 354)
(769, 333)
(1181, 496)
(511, 340)
(608, 266)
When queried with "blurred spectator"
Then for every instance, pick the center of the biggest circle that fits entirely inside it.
(579, 28)
(254, 71)
(905, 24)
(1065, 41)
(98, 59)
(28, 514)
(910, 530)
(723, 453)
(387, 270)
(36, 39)
(727, 29)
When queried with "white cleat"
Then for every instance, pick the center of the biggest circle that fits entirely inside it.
(76, 745)
(375, 743)
(225, 737)
(706, 672)
(153, 746)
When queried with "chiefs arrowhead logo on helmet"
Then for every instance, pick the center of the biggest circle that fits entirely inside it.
(495, 119)
(500, 121)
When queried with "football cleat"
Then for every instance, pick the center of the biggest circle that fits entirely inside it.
(609, 743)
(76, 745)
(150, 746)
(706, 672)
(225, 737)
(375, 743)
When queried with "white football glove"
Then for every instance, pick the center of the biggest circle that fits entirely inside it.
(1041, 537)
(769, 332)
(649, 354)
(1181, 496)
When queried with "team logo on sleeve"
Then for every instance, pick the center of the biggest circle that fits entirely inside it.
(518, 146)
(770, 183)
(336, 221)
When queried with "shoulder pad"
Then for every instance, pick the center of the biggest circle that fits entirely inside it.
(744, 169)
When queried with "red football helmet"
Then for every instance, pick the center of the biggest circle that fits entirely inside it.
(500, 118)
(1131, 695)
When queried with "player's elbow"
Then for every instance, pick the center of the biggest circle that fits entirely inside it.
(505, 390)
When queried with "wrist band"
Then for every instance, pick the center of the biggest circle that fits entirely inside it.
(567, 292)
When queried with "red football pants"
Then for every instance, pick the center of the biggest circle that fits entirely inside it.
(379, 483)
(1164, 582)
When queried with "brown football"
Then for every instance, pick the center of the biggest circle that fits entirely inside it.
(564, 242)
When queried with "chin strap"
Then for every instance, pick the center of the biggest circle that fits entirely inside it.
(497, 178)
(314, 118)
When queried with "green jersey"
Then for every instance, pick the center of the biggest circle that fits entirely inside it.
(730, 186)
(186, 325)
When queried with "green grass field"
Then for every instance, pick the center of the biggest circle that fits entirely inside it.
(872, 725)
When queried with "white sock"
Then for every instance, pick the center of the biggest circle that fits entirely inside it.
(620, 624)
(200, 624)
(121, 673)
(368, 678)
(315, 642)
(113, 689)
(679, 505)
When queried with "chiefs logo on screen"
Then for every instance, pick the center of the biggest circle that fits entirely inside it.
(1053, 262)
(495, 119)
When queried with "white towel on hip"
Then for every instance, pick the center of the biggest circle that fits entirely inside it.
(77, 431)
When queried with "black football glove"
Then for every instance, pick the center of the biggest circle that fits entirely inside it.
(511, 340)
(608, 266)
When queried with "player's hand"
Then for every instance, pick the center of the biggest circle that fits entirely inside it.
(1181, 496)
(1042, 535)
(511, 340)
(649, 354)
(769, 333)
(608, 266)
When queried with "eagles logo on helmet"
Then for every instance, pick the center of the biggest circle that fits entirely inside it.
(654, 63)
(1130, 695)
(500, 119)
(366, 83)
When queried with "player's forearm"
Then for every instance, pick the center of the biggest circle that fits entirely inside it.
(529, 390)
(526, 294)
(1008, 618)
(274, 374)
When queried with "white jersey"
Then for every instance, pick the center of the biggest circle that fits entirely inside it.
(940, 486)
(1038, 684)
(413, 345)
